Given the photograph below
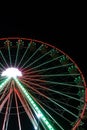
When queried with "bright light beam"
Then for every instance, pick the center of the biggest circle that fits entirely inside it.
(11, 72)
(34, 106)
(4, 83)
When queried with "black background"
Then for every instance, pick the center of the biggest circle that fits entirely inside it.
(60, 24)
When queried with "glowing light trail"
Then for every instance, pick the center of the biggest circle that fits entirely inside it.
(36, 108)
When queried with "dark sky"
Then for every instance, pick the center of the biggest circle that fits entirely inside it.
(62, 26)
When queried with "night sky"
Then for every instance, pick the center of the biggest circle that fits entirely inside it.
(61, 27)
(67, 32)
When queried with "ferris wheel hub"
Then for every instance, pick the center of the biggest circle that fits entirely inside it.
(11, 72)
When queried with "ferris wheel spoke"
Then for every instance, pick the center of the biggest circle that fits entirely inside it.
(3, 84)
(54, 111)
(42, 64)
(64, 108)
(66, 95)
(31, 57)
(3, 58)
(26, 108)
(6, 117)
(9, 109)
(39, 59)
(17, 54)
(24, 54)
(9, 55)
(64, 103)
(62, 83)
(53, 120)
(5, 100)
(35, 90)
(19, 122)
(46, 69)
(4, 92)
(2, 78)
(33, 104)
(47, 102)
(56, 83)
(54, 91)
(54, 75)
(51, 100)
(2, 66)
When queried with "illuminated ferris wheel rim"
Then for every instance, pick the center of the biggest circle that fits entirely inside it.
(37, 41)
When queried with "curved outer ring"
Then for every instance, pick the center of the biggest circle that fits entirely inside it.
(85, 104)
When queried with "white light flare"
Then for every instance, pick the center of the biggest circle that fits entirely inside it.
(11, 72)
(39, 115)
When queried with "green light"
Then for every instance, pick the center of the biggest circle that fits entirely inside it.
(35, 107)
(4, 83)
(47, 122)
(78, 80)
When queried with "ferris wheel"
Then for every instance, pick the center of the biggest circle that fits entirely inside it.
(41, 87)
